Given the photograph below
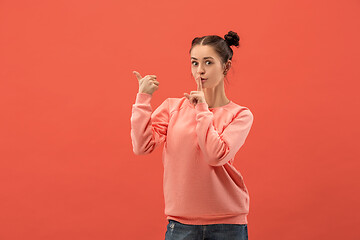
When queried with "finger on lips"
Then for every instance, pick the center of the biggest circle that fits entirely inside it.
(199, 84)
(193, 98)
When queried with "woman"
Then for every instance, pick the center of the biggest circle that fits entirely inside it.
(205, 196)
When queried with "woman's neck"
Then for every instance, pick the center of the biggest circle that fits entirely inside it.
(215, 97)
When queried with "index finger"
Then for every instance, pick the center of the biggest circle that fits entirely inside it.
(199, 84)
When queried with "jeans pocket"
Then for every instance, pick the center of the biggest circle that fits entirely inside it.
(169, 230)
(171, 225)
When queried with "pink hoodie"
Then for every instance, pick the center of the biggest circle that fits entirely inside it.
(201, 185)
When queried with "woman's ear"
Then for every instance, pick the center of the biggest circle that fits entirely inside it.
(227, 67)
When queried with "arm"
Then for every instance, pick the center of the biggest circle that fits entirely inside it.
(148, 129)
(219, 149)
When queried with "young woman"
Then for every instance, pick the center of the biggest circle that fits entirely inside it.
(205, 195)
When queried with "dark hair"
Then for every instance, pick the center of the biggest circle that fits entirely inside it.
(220, 45)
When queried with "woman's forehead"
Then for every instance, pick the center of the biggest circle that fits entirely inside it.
(203, 51)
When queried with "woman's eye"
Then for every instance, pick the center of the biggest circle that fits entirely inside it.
(195, 63)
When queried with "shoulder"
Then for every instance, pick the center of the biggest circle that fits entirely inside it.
(176, 104)
(240, 111)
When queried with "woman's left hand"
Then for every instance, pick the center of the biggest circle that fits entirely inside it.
(198, 96)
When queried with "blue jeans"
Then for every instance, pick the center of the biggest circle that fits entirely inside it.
(179, 231)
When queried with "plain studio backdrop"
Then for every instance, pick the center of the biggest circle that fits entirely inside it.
(67, 169)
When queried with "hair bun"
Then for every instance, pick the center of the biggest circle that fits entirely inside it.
(231, 38)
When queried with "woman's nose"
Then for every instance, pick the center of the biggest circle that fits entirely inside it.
(200, 69)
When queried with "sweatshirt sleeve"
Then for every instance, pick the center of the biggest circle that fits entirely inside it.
(148, 129)
(219, 149)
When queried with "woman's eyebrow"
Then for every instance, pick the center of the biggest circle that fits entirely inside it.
(204, 58)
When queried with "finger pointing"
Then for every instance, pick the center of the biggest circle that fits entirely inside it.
(138, 76)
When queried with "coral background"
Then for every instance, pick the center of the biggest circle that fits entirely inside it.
(67, 170)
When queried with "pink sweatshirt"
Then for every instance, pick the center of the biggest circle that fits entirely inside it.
(201, 185)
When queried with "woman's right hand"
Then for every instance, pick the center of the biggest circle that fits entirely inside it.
(147, 84)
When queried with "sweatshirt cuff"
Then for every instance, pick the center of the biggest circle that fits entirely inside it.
(202, 107)
(143, 98)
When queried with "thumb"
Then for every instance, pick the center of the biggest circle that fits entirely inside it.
(137, 75)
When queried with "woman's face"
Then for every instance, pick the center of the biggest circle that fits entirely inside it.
(206, 63)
